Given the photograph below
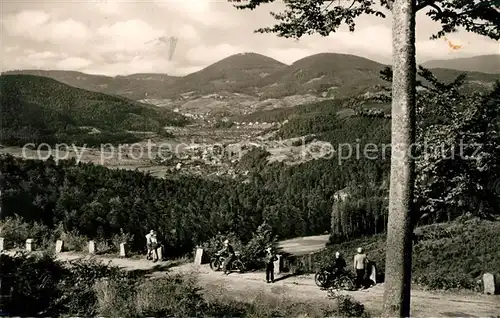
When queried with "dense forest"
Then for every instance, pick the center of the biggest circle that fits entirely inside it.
(37, 109)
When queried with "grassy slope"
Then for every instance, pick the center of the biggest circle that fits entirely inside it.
(39, 104)
(449, 255)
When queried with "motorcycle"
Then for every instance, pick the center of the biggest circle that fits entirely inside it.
(326, 278)
(236, 264)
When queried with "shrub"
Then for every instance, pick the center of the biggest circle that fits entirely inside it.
(114, 297)
(79, 294)
(16, 231)
(347, 306)
(122, 238)
(32, 280)
(255, 250)
(175, 295)
(73, 241)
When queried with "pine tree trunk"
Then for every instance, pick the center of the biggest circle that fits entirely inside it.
(399, 226)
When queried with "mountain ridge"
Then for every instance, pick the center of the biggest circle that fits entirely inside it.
(324, 74)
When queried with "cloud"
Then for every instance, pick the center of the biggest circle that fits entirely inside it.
(110, 7)
(9, 49)
(129, 36)
(42, 55)
(35, 59)
(25, 22)
(73, 63)
(38, 26)
(208, 13)
(187, 32)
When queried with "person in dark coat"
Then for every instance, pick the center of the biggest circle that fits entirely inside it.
(339, 263)
(270, 259)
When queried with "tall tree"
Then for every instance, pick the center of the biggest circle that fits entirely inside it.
(399, 224)
(303, 17)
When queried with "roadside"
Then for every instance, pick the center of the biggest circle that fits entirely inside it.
(424, 303)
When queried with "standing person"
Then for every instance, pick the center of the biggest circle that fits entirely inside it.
(152, 244)
(340, 263)
(228, 251)
(360, 264)
(270, 259)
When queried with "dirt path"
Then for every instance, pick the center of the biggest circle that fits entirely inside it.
(424, 303)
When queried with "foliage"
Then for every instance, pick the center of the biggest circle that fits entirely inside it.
(177, 295)
(347, 305)
(255, 249)
(73, 241)
(122, 238)
(363, 212)
(459, 142)
(79, 297)
(307, 17)
(254, 160)
(16, 231)
(32, 280)
(457, 149)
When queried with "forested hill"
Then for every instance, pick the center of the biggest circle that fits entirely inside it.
(39, 109)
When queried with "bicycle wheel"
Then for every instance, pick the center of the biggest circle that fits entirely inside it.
(238, 266)
(320, 279)
(345, 283)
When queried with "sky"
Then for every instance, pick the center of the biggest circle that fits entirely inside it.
(119, 37)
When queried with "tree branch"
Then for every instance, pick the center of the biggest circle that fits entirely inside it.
(422, 4)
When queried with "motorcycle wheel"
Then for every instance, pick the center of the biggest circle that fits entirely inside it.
(345, 283)
(215, 264)
(238, 266)
(320, 279)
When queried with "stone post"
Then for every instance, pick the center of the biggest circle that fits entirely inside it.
(2, 244)
(29, 245)
(92, 247)
(198, 257)
(123, 250)
(59, 246)
(489, 284)
(159, 252)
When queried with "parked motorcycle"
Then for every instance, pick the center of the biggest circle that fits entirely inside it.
(326, 278)
(236, 264)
